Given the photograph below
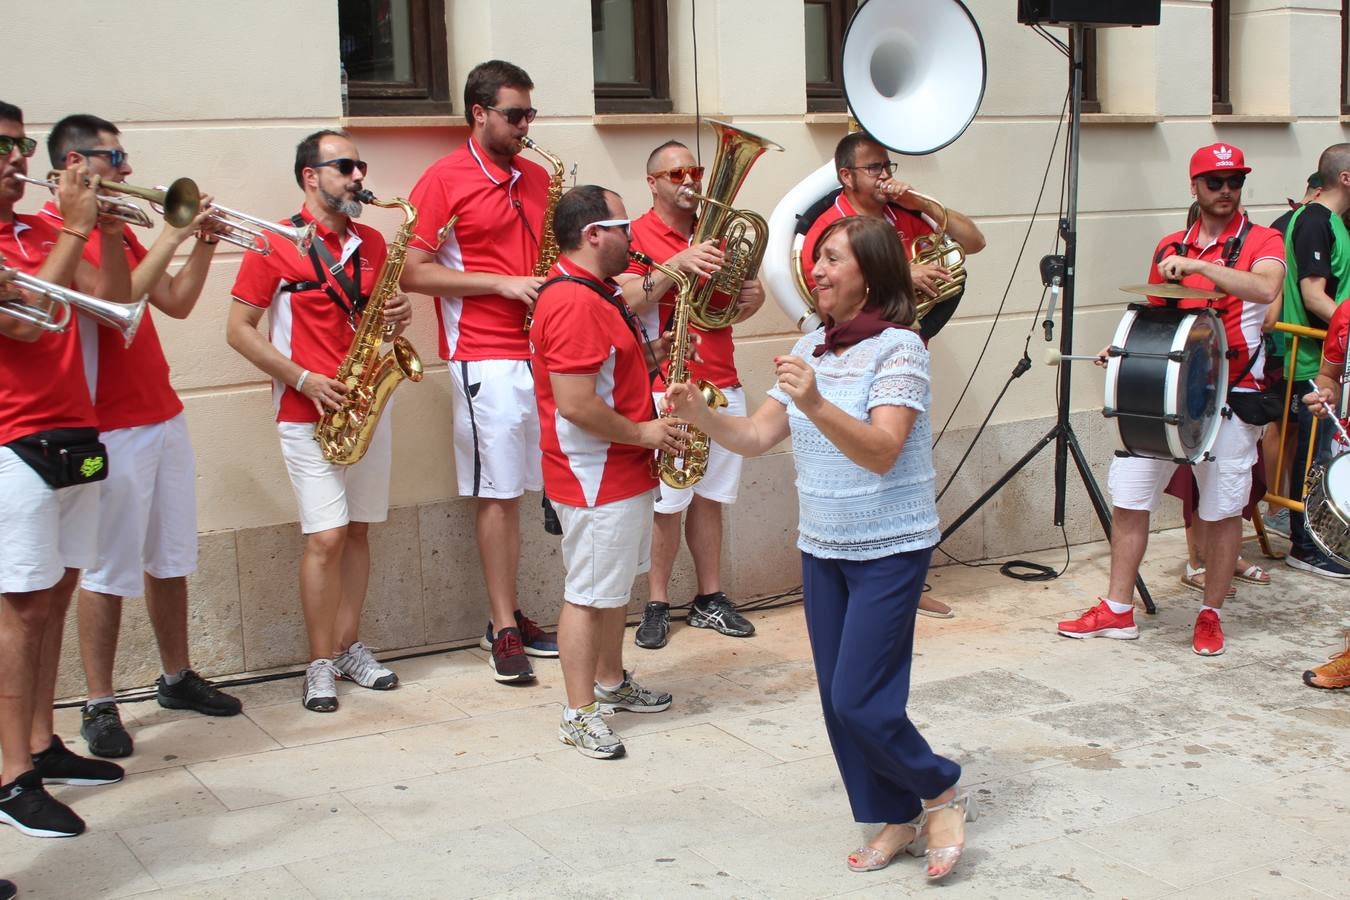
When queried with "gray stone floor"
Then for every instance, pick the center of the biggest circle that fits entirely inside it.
(1120, 769)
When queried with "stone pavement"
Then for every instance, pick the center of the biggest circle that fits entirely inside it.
(1120, 769)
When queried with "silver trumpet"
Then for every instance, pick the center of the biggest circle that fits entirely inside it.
(251, 232)
(125, 317)
(179, 203)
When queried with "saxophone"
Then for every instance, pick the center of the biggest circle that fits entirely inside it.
(344, 434)
(548, 242)
(683, 470)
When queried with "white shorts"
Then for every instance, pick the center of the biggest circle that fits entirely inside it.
(1225, 483)
(722, 480)
(496, 428)
(147, 516)
(605, 548)
(46, 531)
(330, 496)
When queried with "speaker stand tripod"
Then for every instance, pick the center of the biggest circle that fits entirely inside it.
(1062, 433)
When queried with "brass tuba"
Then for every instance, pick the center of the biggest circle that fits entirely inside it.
(741, 232)
(683, 469)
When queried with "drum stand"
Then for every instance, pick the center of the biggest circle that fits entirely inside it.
(1062, 433)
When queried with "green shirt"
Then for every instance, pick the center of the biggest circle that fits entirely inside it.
(1336, 271)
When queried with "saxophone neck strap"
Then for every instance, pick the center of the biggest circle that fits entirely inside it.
(327, 270)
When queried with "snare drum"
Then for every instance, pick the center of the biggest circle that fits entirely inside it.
(1167, 381)
(1327, 504)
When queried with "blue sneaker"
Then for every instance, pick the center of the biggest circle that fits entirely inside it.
(537, 641)
(1316, 563)
(1278, 521)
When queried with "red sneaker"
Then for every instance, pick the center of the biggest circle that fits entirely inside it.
(1208, 637)
(1101, 622)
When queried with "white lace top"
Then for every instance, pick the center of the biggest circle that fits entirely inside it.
(847, 512)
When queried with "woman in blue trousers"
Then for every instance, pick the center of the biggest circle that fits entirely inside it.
(854, 398)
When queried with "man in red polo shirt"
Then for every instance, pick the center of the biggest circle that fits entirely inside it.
(50, 532)
(314, 303)
(1222, 251)
(599, 429)
(480, 217)
(664, 233)
(147, 535)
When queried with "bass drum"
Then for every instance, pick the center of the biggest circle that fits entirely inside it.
(1167, 382)
(1327, 500)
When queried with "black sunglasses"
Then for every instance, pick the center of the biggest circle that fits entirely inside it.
(26, 145)
(344, 165)
(1234, 182)
(115, 157)
(514, 114)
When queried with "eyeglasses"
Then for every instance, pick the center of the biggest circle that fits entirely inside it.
(875, 169)
(514, 114)
(115, 157)
(26, 145)
(344, 165)
(1234, 182)
(677, 173)
(625, 224)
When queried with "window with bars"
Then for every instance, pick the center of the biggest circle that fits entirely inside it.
(826, 21)
(394, 54)
(629, 45)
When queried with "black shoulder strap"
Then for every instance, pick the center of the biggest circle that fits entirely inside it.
(1232, 248)
(323, 261)
(635, 326)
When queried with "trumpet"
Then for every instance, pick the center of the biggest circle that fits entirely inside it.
(179, 203)
(251, 232)
(125, 317)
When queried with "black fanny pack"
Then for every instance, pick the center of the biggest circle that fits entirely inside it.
(64, 457)
(1257, 407)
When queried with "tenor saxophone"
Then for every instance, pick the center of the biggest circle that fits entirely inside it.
(549, 251)
(344, 434)
(683, 469)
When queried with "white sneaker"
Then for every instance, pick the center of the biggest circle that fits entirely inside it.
(360, 665)
(590, 734)
(320, 693)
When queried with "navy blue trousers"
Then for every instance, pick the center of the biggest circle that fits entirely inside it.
(860, 619)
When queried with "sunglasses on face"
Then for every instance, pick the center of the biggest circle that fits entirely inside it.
(625, 224)
(875, 169)
(344, 165)
(115, 157)
(677, 173)
(26, 145)
(1216, 182)
(515, 114)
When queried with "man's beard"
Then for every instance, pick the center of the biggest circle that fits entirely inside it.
(348, 206)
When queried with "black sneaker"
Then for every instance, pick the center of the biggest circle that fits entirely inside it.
(197, 694)
(654, 630)
(102, 730)
(57, 765)
(716, 611)
(8, 889)
(25, 804)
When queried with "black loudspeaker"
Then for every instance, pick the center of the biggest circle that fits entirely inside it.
(1097, 13)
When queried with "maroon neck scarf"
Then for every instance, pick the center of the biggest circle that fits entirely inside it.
(842, 335)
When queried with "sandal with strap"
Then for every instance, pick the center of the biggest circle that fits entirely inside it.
(1192, 580)
(870, 859)
(942, 860)
(1253, 574)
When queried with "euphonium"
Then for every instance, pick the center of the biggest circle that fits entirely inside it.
(680, 470)
(548, 242)
(939, 249)
(345, 434)
(741, 232)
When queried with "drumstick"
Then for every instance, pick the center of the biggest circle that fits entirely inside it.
(1054, 358)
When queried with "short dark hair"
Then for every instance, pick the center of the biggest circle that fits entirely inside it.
(881, 258)
(651, 158)
(307, 151)
(1333, 161)
(846, 151)
(486, 79)
(10, 113)
(578, 208)
(74, 133)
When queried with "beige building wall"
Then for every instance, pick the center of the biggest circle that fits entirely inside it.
(222, 92)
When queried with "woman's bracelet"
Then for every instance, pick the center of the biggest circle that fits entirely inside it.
(300, 382)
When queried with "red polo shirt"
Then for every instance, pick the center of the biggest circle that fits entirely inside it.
(132, 384)
(500, 217)
(307, 326)
(578, 332)
(658, 240)
(1241, 320)
(907, 224)
(42, 384)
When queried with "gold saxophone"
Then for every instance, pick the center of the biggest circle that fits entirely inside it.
(344, 434)
(548, 241)
(687, 467)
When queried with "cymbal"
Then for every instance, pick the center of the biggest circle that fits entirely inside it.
(1171, 291)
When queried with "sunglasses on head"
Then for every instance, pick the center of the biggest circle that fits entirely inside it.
(625, 224)
(515, 114)
(26, 145)
(344, 165)
(1215, 182)
(678, 173)
(115, 157)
